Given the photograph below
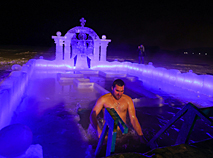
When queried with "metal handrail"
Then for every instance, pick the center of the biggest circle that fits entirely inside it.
(192, 114)
(112, 120)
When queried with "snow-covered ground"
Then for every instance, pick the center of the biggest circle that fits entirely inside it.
(10, 55)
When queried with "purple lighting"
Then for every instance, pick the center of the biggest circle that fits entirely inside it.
(55, 92)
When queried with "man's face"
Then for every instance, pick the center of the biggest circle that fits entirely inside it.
(118, 91)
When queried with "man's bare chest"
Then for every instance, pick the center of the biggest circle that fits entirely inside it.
(120, 106)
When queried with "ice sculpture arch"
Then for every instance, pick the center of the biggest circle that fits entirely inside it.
(80, 29)
(80, 44)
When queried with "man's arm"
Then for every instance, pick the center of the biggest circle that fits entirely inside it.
(135, 122)
(133, 118)
(94, 113)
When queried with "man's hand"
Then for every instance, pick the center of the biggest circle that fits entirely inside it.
(143, 139)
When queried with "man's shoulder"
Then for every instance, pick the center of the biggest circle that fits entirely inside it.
(127, 97)
(105, 96)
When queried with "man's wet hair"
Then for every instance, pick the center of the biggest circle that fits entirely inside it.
(118, 82)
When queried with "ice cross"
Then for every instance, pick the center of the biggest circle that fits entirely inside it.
(83, 21)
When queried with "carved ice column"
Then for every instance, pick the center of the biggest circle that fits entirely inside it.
(67, 49)
(96, 49)
(104, 44)
(59, 40)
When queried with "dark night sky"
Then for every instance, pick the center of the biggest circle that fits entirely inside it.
(169, 24)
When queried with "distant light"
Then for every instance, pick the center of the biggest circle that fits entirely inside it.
(185, 52)
(193, 53)
(205, 53)
(199, 53)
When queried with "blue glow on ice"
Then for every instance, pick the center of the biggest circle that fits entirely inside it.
(56, 66)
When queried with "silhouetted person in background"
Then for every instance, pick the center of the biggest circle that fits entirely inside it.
(141, 54)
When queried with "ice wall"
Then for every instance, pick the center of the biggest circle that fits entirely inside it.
(158, 75)
(12, 88)
(155, 76)
(11, 92)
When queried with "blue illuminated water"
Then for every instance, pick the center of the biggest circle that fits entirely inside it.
(50, 108)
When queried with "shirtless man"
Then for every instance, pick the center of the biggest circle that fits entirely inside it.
(121, 103)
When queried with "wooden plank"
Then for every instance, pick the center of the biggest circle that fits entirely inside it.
(101, 140)
(111, 142)
(121, 123)
(112, 120)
